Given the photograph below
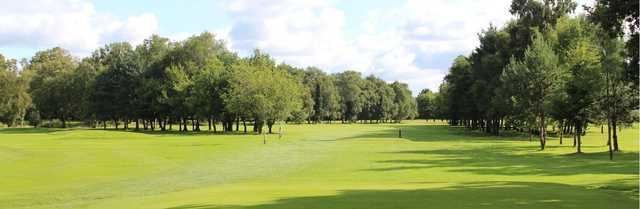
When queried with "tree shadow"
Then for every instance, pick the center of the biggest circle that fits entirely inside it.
(29, 130)
(430, 133)
(502, 161)
(185, 133)
(480, 195)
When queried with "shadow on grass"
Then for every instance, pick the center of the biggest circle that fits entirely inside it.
(504, 162)
(426, 133)
(480, 195)
(30, 130)
(185, 133)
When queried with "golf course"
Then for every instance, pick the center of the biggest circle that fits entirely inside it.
(316, 166)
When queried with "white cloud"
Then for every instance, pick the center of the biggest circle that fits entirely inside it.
(406, 43)
(297, 32)
(72, 24)
(389, 45)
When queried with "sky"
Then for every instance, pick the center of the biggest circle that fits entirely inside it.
(411, 41)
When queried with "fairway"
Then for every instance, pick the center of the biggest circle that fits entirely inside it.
(312, 166)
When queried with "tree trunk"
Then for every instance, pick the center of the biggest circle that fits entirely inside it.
(164, 124)
(609, 139)
(579, 137)
(543, 128)
(137, 125)
(237, 124)
(615, 135)
(560, 130)
(244, 123)
(64, 122)
(575, 137)
(214, 126)
(270, 125)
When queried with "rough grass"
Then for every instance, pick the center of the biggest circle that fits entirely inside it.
(312, 167)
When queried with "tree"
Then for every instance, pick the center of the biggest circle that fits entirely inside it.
(184, 62)
(441, 110)
(261, 92)
(534, 15)
(208, 89)
(326, 98)
(618, 95)
(614, 16)
(537, 74)
(308, 103)
(80, 83)
(50, 87)
(152, 101)
(458, 82)
(114, 88)
(487, 62)
(619, 19)
(349, 86)
(406, 106)
(426, 104)
(14, 98)
(584, 83)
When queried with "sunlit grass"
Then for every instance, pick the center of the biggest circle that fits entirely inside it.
(313, 166)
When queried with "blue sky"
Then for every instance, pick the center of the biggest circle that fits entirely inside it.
(413, 41)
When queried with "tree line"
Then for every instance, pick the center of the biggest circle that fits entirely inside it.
(160, 83)
(545, 68)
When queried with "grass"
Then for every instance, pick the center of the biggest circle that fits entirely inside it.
(312, 167)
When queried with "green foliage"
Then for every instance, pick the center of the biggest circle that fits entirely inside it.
(259, 91)
(426, 104)
(521, 78)
(14, 98)
(114, 88)
(52, 85)
(458, 81)
(405, 104)
(350, 87)
(621, 19)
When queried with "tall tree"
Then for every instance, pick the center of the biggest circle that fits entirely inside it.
(614, 16)
(584, 83)
(426, 104)
(114, 87)
(618, 94)
(152, 100)
(458, 82)
(308, 103)
(50, 86)
(262, 93)
(538, 74)
(349, 86)
(14, 98)
(405, 103)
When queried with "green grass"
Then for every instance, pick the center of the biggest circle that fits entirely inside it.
(312, 167)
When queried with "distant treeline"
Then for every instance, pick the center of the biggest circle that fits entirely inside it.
(160, 83)
(544, 69)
